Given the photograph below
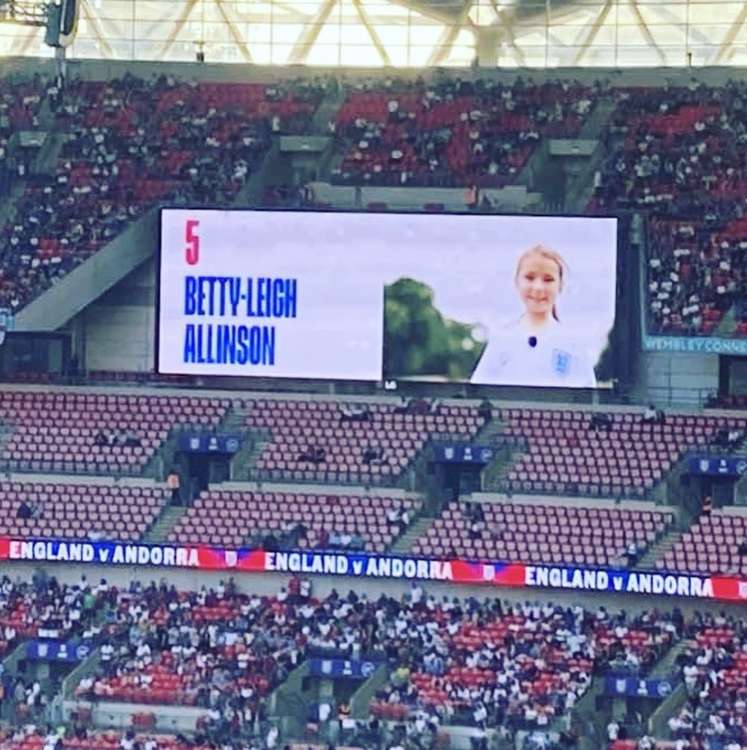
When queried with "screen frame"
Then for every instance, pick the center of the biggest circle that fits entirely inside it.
(478, 387)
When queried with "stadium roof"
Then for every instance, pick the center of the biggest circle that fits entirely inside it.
(371, 33)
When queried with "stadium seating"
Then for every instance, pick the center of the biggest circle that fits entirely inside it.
(469, 661)
(78, 511)
(452, 133)
(69, 431)
(675, 155)
(536, 533)
(514, 666)
(132, 144)
(711, 546)
(485, 664)
(714, 668)
(562, 454)
(294, 429)
(325, 521)
(214, 649)
(31, 739)
(634, 647)
(727, 401)
(16, 621)
(20, 102)
(103, 740)
(162, 683)
(680, 157)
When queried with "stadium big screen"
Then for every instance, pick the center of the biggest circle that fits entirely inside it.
(487, 299)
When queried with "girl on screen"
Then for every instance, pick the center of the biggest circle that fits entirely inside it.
(537, 348)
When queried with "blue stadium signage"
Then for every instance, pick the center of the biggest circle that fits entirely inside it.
(717, 466)
(637, 688)
(202, 442)
(463, 453)
(64, 651)
(351, 669)
(693, 345)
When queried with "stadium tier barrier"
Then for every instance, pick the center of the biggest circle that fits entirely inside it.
(377, 566)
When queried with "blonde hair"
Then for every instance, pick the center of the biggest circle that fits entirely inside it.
(548, 254)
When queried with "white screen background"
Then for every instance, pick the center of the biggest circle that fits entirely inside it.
(343, 261)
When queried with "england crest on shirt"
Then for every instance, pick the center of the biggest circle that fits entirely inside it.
(561, 362)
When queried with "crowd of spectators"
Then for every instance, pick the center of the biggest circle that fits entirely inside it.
(486, 664)
(46, 610)
(131, 143)
(713, 667)
(211, 648)
(508, 667)
(32, 736)
(20, 103)
(676, 152)
(452, 132)
(680, 155)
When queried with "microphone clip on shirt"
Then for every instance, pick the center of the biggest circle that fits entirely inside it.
(532, 341)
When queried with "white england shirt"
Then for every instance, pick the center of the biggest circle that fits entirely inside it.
(552, 356)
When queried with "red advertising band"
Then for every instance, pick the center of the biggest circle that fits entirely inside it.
(363, 565)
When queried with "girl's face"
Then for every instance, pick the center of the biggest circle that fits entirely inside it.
(538, 282)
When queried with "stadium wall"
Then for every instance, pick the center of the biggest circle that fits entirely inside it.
(118, 329)
(672, 378)
(104, 69)
(90, 280)
(271, 583)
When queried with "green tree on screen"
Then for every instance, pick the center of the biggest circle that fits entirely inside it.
(419, 340)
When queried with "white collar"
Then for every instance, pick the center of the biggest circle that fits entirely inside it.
(550, 325)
